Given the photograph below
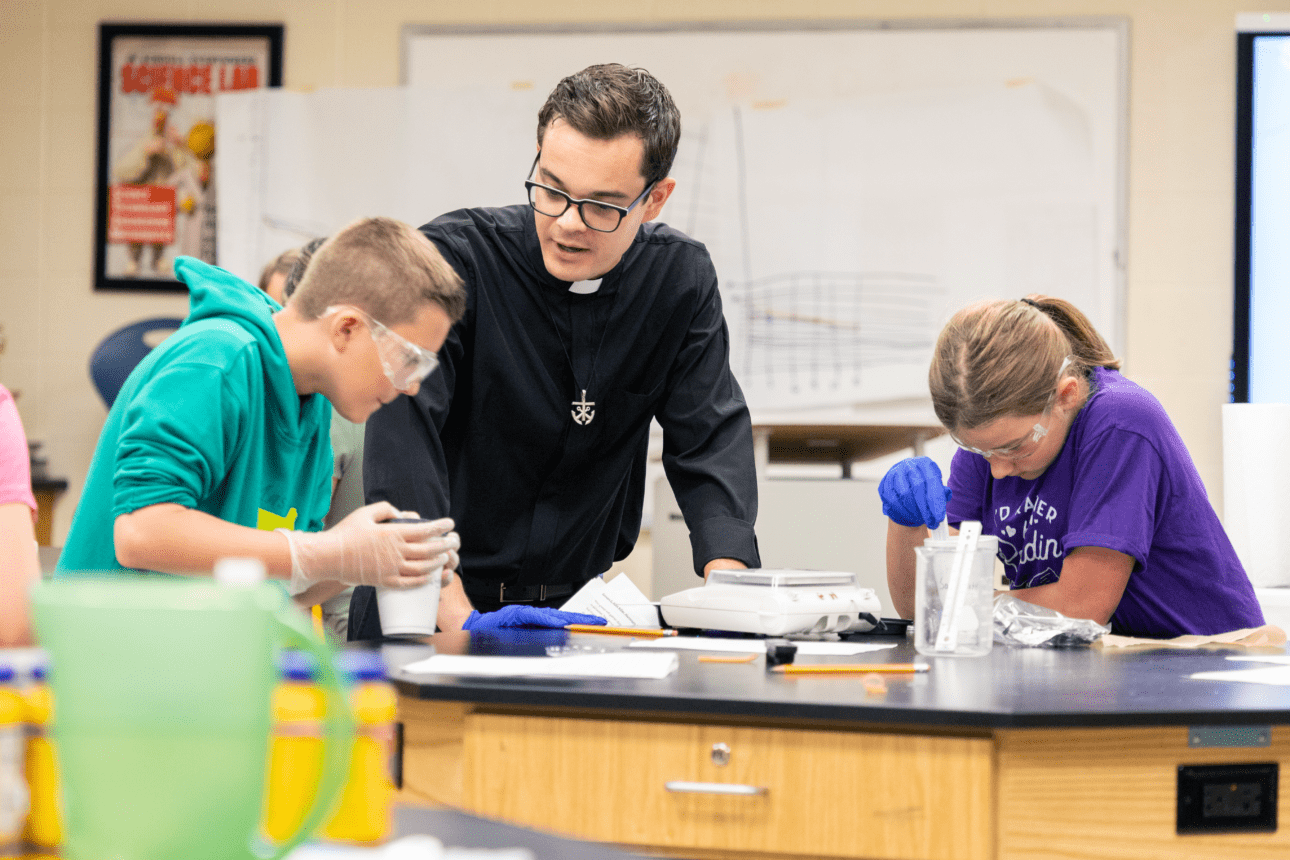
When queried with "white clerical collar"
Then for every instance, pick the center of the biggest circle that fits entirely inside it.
(584, 288)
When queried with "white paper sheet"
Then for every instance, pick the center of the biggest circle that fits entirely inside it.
(755, 646)
(415, 847)
(700, 643)
(615, 664)
(839, 649)
(618, 601)
(1277, 676)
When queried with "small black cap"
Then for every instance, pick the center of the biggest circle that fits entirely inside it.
(779, 651)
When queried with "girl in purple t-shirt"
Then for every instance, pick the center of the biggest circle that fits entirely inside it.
(1098, 507)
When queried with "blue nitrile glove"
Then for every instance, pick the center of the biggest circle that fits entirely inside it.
(913, 494)
(519, 615)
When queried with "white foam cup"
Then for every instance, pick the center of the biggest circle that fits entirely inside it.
(410, 611)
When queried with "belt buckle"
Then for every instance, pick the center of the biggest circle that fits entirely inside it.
(501, 595)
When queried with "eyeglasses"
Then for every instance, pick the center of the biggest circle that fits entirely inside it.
(597, 215)
(403, 361)
(1025, 447)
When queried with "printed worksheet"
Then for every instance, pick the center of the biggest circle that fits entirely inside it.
(618, 601)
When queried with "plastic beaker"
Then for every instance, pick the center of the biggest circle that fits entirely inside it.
(972, 632)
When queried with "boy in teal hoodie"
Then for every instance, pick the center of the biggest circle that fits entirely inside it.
(218, 446)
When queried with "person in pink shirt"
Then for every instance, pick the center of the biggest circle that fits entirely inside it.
(21, 563)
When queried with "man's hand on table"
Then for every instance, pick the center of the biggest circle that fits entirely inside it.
(723, 564)
(520, 615)
(454, 606)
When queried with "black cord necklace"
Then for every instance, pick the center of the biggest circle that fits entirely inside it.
(583, 410)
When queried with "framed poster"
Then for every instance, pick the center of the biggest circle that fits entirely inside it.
(155, 186)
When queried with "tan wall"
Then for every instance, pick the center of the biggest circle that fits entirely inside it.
(1180, 175)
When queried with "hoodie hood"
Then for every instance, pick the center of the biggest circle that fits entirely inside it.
(216, 292)
(220, 299)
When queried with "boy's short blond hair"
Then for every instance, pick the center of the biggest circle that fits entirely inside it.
(385, 267)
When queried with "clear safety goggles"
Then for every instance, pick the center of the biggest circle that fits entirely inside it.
(1024, 447)
(1016, 451)
(404, 362)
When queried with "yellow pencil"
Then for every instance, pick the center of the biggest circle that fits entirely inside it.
(851, 668)
(618, 631)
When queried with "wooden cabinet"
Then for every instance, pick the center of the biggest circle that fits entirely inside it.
(46, 491)
(431, 753)
(1112, 793)
(810, 793)
(1029, 754)
(822, 793)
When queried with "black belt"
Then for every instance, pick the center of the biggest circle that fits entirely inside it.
(503, 593)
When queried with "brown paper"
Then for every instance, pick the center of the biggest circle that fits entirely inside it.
(1269, 635)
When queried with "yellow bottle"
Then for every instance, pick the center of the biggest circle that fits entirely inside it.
(44, 831)
(363, 813)
(296, 748)
(13, 784)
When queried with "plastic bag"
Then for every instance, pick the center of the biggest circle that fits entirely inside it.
(1017, 622)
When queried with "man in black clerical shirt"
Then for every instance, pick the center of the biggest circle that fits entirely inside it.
(586, 319)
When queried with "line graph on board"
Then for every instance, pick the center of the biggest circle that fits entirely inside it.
(819, 331)
(799, 335)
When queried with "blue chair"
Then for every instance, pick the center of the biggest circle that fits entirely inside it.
(114, 358)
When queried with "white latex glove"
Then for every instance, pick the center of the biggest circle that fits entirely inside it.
(451, 565)
(362, 549)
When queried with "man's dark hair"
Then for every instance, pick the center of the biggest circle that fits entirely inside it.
(606, 101)
(281, 265)
(304, 254)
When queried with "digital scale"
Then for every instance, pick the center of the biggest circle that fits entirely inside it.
(775, 603)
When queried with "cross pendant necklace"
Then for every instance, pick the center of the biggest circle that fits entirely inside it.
(583, 410)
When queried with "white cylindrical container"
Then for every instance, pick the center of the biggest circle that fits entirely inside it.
(1256, 472)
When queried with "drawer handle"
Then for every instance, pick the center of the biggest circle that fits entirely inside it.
(678, 787)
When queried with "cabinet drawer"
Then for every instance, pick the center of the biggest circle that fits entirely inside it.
(826, 793)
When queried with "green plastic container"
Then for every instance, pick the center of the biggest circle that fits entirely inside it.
(162, 717)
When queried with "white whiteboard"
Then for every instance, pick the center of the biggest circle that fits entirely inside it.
(855, 183)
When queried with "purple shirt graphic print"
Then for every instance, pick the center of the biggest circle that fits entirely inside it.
(1027, 532)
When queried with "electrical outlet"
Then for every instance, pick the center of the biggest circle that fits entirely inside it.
(1227, 798)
